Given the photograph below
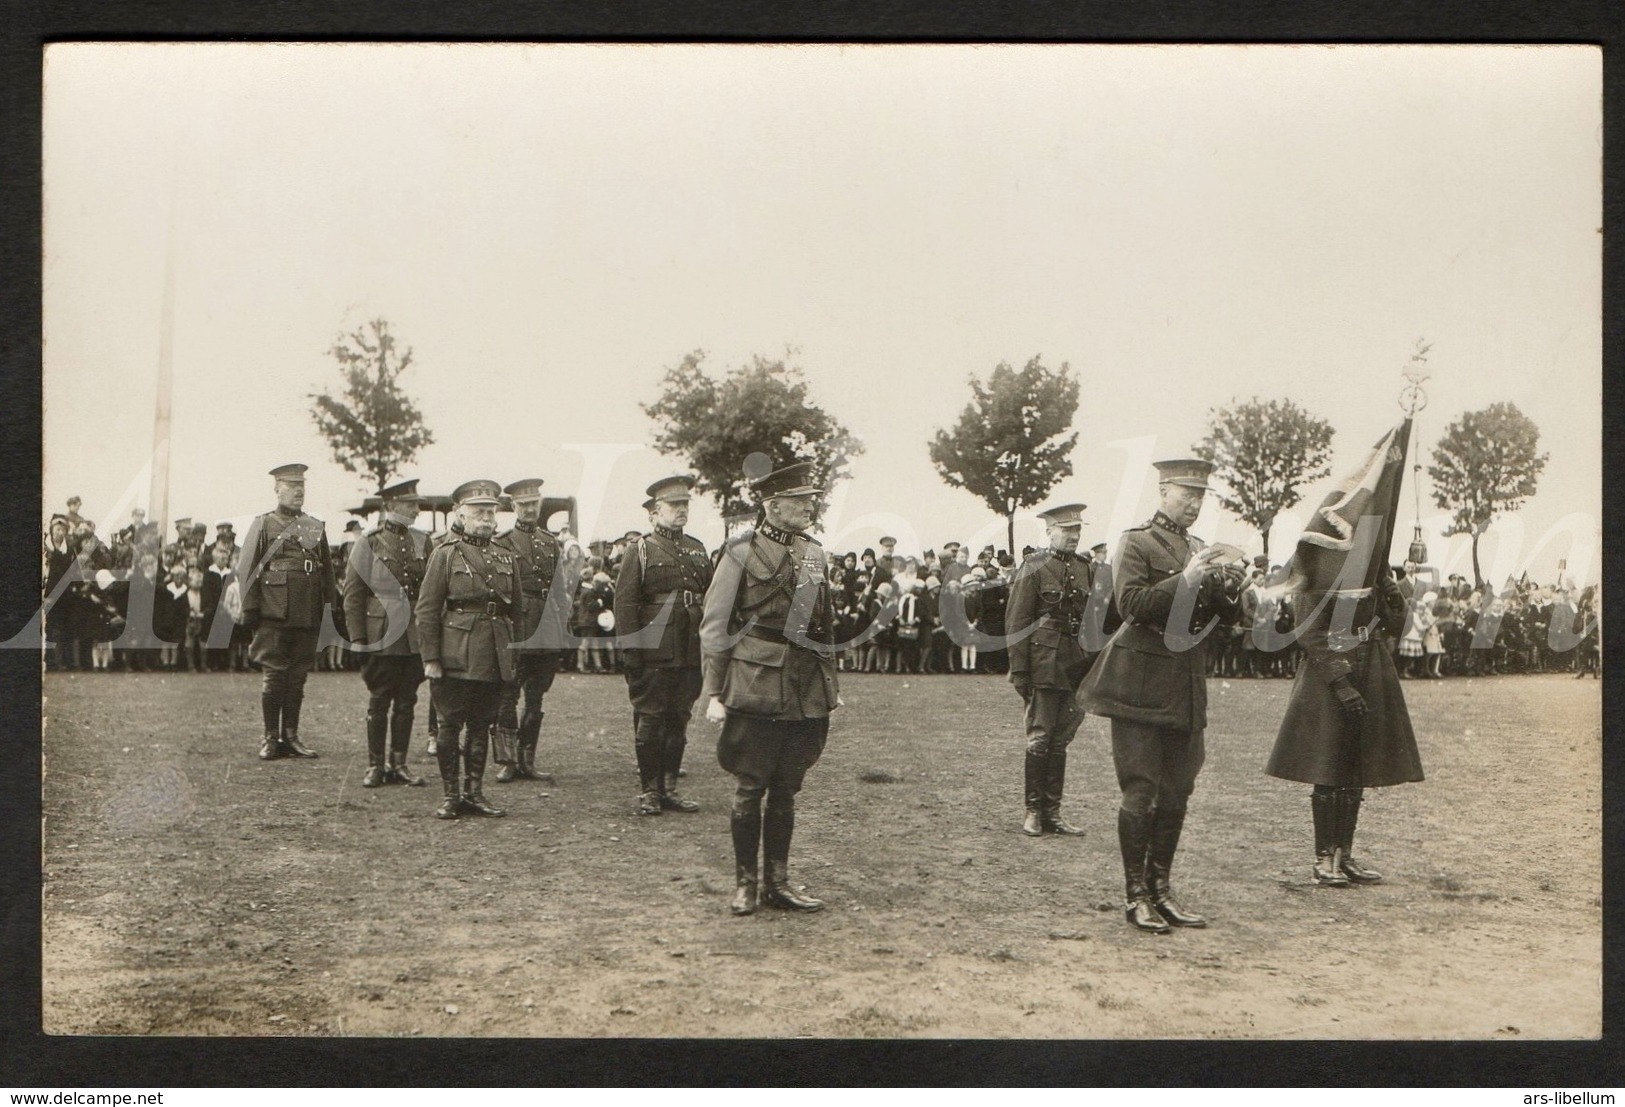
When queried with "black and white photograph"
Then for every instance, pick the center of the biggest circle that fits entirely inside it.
(814, 541)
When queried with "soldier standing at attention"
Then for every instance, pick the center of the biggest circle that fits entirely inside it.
(1047, 662)
(453, 531)
(661, 588)
(381, 582)
(465, 616)
(538, 555)
(289, 583)
(1150, 681)
(769, 661)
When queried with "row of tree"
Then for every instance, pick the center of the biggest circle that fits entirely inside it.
(1010, 447)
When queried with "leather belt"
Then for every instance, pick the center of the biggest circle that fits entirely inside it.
(766, 634)
(285, 565)
(1346, 640)
(690, 599)
(489, 607)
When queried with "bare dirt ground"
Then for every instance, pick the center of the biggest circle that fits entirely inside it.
(191, 889)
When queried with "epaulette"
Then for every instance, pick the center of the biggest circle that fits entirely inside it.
(812, 540)
(1143, 526)
(742, 536)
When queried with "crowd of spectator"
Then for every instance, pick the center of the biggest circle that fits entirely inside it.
(90, 584)
(889, 605)
(1451, 629)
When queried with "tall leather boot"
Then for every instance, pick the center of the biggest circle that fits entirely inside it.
(1054, 785)
(505, 751)
(473, 787)
(1165, 830)
(1348, 815)
(400, 740)
(1134, 839)
(271, 712)
(778, 826)
(292, 701)
(1328, 869)
(530, 732)
(745, 823)
(377, 723)
(1032, 793)
(451, 779)
(675, 741)
(648, 746)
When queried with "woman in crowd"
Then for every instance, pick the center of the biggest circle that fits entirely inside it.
(909, 629)
(865, 608)
(57, 557)
(1433, 636)
(169, 616)
(886, 640)
(84, 616)
(971, 595)
(584, 620)
(109, 622)
(1588, 620)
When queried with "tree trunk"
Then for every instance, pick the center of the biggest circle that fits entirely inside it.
(1478, 579)
(1010, 533)
(1265, 532)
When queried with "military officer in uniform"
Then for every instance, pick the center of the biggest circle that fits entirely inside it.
(1048, 598)
(658, 598)
(1150, 681)
(381, 582)
(453, 531)
(465, 612)
(284, 593)
(538, 554)
(766, 640)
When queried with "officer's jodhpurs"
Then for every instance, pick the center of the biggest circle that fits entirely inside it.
(770, 758)
(533, 678)
(459, 703)
(1156, 766)
(285, 656)
(662, 704)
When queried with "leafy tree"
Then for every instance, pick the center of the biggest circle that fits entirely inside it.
(374, 428)
(1007, 447)
(1485, 464)
(1263, 453)
(751, 420)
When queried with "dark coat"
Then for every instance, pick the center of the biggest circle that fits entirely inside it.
(381, 582)
(767, 607)
(169, 613)
(466, 608)
(1318, 743)
(663, 579)
(1145, 673)
(290, 576)
(1049, 595)
(548, 574)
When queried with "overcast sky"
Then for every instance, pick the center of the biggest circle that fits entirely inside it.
(551, 227)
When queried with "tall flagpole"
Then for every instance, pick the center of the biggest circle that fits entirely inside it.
(1412, 399)
(158, 499)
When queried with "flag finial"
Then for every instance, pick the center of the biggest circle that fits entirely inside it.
(1413, 398)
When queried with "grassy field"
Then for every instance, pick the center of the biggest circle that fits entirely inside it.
(192, 889)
